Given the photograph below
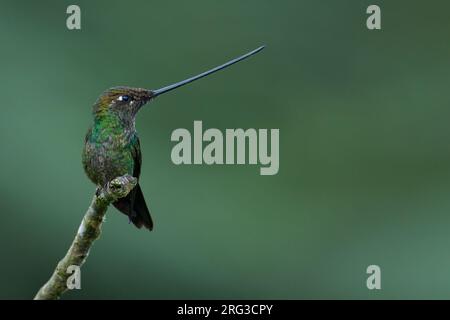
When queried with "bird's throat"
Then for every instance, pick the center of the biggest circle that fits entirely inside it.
(113, 127)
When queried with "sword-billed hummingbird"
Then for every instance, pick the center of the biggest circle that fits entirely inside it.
(112, 147)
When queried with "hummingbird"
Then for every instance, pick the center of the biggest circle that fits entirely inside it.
(112, 147)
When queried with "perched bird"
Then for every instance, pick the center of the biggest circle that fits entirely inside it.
(112, 147)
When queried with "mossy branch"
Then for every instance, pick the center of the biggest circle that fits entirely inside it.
(88, 232)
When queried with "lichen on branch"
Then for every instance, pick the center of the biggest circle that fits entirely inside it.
(88, 232)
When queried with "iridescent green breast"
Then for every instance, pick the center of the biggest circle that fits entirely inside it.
(110, 150)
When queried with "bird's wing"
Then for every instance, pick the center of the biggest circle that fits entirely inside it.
(137, 156)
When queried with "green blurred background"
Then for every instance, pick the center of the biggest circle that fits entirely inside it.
(364, 148)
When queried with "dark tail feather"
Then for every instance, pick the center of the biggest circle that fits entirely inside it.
(134, 206)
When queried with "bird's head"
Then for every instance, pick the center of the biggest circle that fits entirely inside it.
(124, 102)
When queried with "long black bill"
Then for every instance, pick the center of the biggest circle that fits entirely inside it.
(204, 74)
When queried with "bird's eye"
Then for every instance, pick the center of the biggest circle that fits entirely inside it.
(124, 98)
